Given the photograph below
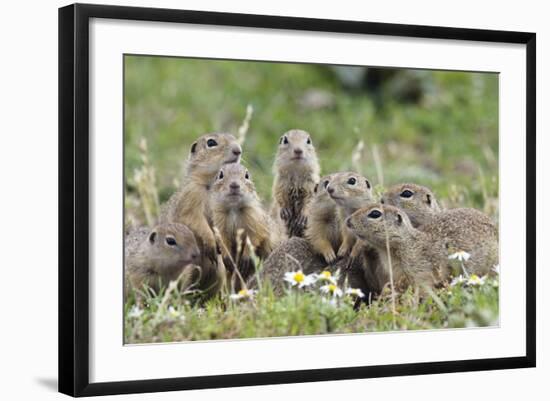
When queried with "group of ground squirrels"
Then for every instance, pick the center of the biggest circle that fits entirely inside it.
(215, 226)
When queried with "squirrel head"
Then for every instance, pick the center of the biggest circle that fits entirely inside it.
(172, 246)
(296, 153)
(377, 223)
(233, 187)
(349, 190)
(210, 151)
(417, 201)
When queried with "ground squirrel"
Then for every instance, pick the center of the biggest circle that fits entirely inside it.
(292, 254)
(417, 201)
(350, 191)
(190, 204)
(464, 229)
(235, 206)
(156, 257)
(296, 170)
(416, 257)
(323, 231)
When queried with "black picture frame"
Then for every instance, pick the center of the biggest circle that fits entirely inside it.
(74, 198)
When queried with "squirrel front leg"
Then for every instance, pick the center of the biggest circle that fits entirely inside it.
(324, 247)
(209, 246)
(347, 244)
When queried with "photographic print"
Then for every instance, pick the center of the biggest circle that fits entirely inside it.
(267, 199)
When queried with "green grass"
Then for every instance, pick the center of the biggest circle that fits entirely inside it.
(307, 312)
(447, 140)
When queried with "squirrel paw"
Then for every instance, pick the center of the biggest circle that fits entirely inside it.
(302, 221)
(343, 251)
(330, 256)
(285, 213)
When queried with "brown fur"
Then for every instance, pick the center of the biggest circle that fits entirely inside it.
(235, 205)
(421, 207)
(323, 231)
(421, 257)
(416, 257)
(463, 229)
(296, 172)
(293, 254)
(152, 263)
(190, 204)
(349, 197)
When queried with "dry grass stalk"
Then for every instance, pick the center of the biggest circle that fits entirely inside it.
(357, 155)
(392, 287)
(243, 129)
(378, 164)
(144, 179)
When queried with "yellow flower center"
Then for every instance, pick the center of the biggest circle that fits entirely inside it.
(299, 277)
(326, 274)
(243, 293)
(332, 288)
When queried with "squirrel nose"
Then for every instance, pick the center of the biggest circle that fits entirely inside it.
(234, 185)
(237, 151)
(195, 255)
(298, 152)
(330, 190)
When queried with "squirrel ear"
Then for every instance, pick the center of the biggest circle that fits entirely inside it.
(429, 199)
(152, 237)
(368, 183)
(315, 188)
(194, 147)
(399, 219)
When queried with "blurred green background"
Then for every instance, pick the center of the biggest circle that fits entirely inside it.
(437, 128)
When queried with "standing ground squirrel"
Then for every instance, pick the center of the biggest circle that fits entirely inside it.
(350, 191)
(323, 231)
(415, 257)
(296, 170)
(156, 257)
(464, 229)
(190, 204)
(235, 206)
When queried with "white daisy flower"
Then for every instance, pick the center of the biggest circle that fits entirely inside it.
(243, 294)
(462, 256)
(135, 312)
(355, 292)
(476, 280)
(299, 278)
(458, 280)
(326, 276)
(173, 313)
(332, 289)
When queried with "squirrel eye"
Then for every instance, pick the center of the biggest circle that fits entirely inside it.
(375, 214)
(284, 140)
(352, 181)
(170, 241)
(211, 143)
(247, 176)
(308, 141)
(406, 194)
(325, 183)
(220, 176)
